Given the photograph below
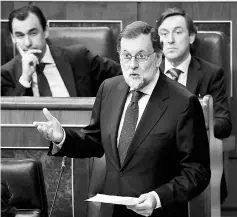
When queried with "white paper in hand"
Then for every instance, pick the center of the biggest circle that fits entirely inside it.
(102, 198)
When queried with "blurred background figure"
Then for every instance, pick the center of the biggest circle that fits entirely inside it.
(7, 210)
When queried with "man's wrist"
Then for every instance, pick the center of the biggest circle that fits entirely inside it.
(60, 144)
(26, 82)
(158, 204)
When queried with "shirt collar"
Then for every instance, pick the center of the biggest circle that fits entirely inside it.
(148, 89)
(183, 66)
(47, 58)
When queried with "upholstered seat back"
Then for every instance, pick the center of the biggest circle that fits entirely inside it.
(7, 51)
(26, 180)
(99, 40)
(213, 47)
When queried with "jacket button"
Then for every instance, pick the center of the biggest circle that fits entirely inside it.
(121, 174)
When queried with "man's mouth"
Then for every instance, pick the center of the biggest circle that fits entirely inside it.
(134, 75)
(171, 48)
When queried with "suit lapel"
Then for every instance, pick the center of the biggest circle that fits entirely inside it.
(119, 98)
(194, 76)
(18, 67)
(153, 112)
(65, 69)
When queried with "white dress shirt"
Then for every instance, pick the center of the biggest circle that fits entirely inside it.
(183, 67)
(53, 76)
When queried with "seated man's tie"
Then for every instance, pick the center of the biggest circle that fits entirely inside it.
(129, 125)
(174, 73)
(43, 84)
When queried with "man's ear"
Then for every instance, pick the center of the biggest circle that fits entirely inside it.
(159, 58)
(13, 39)
(46, 32)
(192, 38)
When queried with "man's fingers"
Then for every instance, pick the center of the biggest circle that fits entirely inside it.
(35, 51)
(34, 60)
(142, 198)
(48, 114)
(22, 52)
(36, 123)
(50, 133)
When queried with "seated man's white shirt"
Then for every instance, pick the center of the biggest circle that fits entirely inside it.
(142, 103)
(53, 76)
(183, 67)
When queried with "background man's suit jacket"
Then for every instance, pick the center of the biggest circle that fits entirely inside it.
(81, 72)
(206, 78)
(169, 152)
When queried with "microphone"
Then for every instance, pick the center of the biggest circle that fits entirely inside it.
(59, 180)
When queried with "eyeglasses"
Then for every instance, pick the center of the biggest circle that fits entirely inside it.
(139, 57)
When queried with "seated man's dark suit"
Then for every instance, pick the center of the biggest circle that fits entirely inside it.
(81, 72)
(169, 152)
(206, 78)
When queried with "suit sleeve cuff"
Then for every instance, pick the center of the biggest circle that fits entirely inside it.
(158, 204)
(24, 83)
(58, 146)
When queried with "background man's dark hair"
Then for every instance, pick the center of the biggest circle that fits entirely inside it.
(177, 11)
(137, 28)
(23, 13)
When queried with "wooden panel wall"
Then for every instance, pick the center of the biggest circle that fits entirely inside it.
(148, 12)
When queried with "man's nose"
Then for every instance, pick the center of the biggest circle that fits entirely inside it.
(27, 41)
(170, 38)
(133, 63)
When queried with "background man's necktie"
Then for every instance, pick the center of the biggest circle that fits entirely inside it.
(174, 73)
(43, 85)
(129, 125)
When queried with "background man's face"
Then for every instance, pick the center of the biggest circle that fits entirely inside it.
(29, 34)
(138, 75)
(175, 37)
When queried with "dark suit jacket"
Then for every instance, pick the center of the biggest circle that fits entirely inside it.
(206, 78)
(169, 152)
(81, 72)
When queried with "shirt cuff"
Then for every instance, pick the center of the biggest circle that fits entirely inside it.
(58, 146)
(158, 204)
(24, 82)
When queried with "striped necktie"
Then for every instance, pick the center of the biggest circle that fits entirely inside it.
(174, 73)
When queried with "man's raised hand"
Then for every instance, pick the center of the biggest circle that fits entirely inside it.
(29, 61)
(52, 129)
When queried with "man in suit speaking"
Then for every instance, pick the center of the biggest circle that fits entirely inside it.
(150, 128)
(41, 69)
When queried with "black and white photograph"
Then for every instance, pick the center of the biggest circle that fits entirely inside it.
(118, 108)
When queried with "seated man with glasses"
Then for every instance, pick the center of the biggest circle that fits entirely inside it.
(150, 128)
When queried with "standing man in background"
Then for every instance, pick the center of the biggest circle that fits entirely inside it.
(150, 128)
(177, 33)
(44, 70)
